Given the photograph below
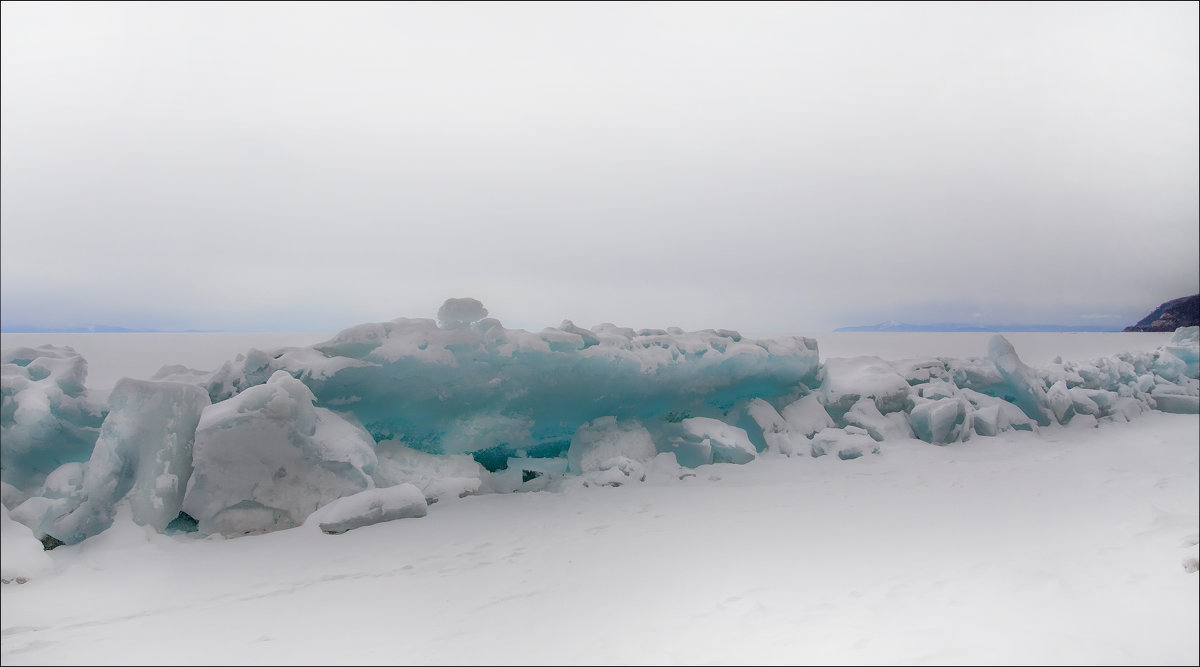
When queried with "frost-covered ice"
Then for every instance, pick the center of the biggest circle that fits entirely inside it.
(398, 419)
(267, 458)
(462, 406)
(598, 443)
(46, 416)
(365, 508)
(144, 452)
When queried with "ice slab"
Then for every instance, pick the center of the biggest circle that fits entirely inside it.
(267, 458)
(365, 508)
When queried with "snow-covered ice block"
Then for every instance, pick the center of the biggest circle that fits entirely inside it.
(937, 389)
(458, 313)
(920, 371)
(806, 416)
(1107, 373)
(1168, 366)
(848, 443)
(596, 444)
(22, 556)
(729, 444)
(267, 458)
(1185, 346)
(663, 469)
(1061, 402)
(440, 477)
(365, 508)
(61, 493)
(892, 426)
(1179, 399)
(975, 373)
(845, 381)
(144, 451)
(761, 420)
(940, 421)
(1084, 404)
(990, 415)
(616, 472)
(46, 416)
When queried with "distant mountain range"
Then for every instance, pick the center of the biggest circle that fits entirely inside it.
(1182, 312)
(962, 327)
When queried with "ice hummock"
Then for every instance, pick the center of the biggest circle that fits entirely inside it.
(144, 453)
(462, 406)
(268, 457)
(47, 417)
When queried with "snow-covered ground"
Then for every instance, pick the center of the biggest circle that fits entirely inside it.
(1064, 546)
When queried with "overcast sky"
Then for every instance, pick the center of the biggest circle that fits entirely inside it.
(768, 167)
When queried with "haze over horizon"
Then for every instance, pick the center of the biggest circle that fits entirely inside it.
(757, 166)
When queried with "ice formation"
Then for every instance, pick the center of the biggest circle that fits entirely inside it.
(144, 452)
(384, 419)
(46, 416)
(403, 501)
(603, 442)
(267, 458)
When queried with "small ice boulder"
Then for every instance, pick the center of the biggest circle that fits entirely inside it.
(403, 501)
(617, 471)
(1061, 402)
(806, 416)
(866, 415)
(761, 417)
(58, 496)
(458, 313)
(940, 421)
(845, 381)
(848, 443)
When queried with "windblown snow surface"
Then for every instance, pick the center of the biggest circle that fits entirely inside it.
(454, 492)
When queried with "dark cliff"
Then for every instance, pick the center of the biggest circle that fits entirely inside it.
(1183, 312)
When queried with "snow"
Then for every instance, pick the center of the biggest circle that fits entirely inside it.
(23, 556)
(719, 499)
(1062, 547)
